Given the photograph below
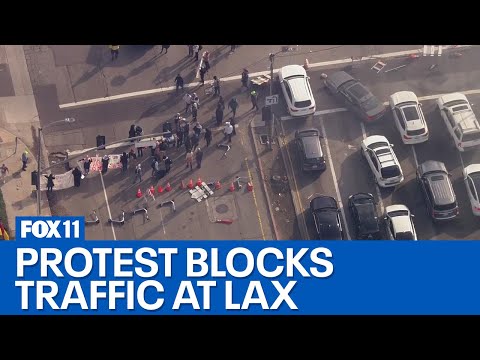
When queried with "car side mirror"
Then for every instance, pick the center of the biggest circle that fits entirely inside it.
(412, 215)
(449, 174)
(392, 145)
(384, 218)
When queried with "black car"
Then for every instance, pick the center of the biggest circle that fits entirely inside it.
(364, 214)
(437, 189)
(326, 217)
(310, 150)
(355, 96)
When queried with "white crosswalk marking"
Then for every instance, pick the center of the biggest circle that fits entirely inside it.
(430, 50)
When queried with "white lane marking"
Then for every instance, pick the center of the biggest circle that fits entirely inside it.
(377, 188)
(108, 206)
(317, 113)
(440, 50)
(235, 77)
(425, 50)
(335, 183)
(415, 157)
(163, 224)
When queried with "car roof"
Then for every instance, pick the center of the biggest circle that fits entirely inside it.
(402, 224)
(339, 78)
(312, 147)
(432, 165)
(292, 70)
(323, 201)
(466, 120)
(453, 97)
(299, 89)
(403, 97)
(360, 92)
(441, 189)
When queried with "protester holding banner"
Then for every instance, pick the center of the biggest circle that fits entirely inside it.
(50, 183)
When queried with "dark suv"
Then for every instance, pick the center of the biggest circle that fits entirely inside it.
(326, 218)
(437, 189)
(355, 95)
(310, 149)
(364, 214)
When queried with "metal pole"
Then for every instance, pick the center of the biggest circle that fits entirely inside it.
(38, 169)
(271, 124)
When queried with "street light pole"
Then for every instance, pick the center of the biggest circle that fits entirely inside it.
(272, 119)
(39, 154)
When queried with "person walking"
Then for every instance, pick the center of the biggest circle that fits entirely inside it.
(168, 163)
(195, 99)
(86, 165)
(244, 79)
(105, 161)
(221, 102)
(232, 48)
(138, 173)
(178, 82)
(179, 137)
(139, 132)
(188, 102)
(216, 86)
(77, 177)
(197, 129)
(219, 115)
(232, 122)
(208, 136)
(124, 161)
(228, 130)
(24, 160)
(206, 61)
(50, 183)
(189, 160)
(194, 111)
(3, 172)
(233, 105)
(154, 165)
(202, 73)
(196, 50)
(164, 47)
(254, 99)
(190, 50)
(199, 157)
(132, 133)
(188, 143)
(195, 141)
(114, 49)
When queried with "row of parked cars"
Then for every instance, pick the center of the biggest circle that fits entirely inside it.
(432, 176)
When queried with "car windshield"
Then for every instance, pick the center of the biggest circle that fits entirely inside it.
(314, 160)
(406, 235)
(459, 108)
(454, 102)
(398, 213)
(476, 180)
(377, 145)
(390, 171)
(415, 132)
(330, 232)
(411, 113)
(471, 136)
(303, 104)
(359, 92)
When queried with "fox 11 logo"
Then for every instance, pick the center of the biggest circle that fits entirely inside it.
(50, 227)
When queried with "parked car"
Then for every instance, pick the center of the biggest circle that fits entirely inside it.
(437, 189)
(408, 117)
(310, 150)
(471, 176)
(355, 95)
(382, 160)
(399, 223)
(297, 91)
(326, 217)
(364, 214)
(460, 120)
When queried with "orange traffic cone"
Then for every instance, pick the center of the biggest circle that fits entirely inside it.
(413, 56)
(182, 185)
(199, 182)
(232, 187)
(168, 187)
(249, 186)
(160, 189)
(190, 184)
(139, 193)
(218, 186)
(152, 190)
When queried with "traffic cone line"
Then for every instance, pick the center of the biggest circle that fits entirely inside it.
(232, 187)
(152, 190)
(249, 186)
(160, 189)
(199, 182)
(139, 193)
(218, 186)
(168, 187)
(190, 184)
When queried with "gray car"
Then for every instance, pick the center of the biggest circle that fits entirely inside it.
(355, 95)
(310, 149)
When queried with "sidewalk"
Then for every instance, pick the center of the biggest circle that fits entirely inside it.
(18, 193)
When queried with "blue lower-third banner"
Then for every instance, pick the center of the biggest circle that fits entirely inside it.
(240, 277)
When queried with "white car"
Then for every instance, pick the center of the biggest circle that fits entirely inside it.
(408, 116)
(399, 223)
(382, 160)
(471, 176)
(460, 120)
(297, 91)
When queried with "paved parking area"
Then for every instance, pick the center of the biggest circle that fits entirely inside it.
(348, 173)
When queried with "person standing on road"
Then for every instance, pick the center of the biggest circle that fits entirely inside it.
(178, 82)
(86, 164)
(228, 130)
(77, 177)
(195, 99)
(233, 105)
(24, 160)
(219, 115)
(206, 61)
(188, 102)
(138, 173)
(188, 143)
(179, 137)
(254, 99)
(189, 160)
(50, 183)
(195, 141)
(3, 172)
(221, 102)
(208, 136)
(164, 47)
(154, 165)
(197, 129)
(194, 111)
(232, 122)
(190, 50)
(216, 86)
(199, 157)
(196, 50)
(202, 73)
(124, 161)
(114, 49)
(105, 161)
(132, 132)
(245, 79)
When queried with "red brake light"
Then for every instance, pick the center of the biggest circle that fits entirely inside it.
(406, 137)
(294, 110)
(476, 208)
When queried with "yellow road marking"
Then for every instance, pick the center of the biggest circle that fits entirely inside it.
(255, 200)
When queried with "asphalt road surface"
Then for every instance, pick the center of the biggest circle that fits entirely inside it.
(348, 173)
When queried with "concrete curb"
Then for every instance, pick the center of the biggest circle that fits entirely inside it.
(264, 187)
